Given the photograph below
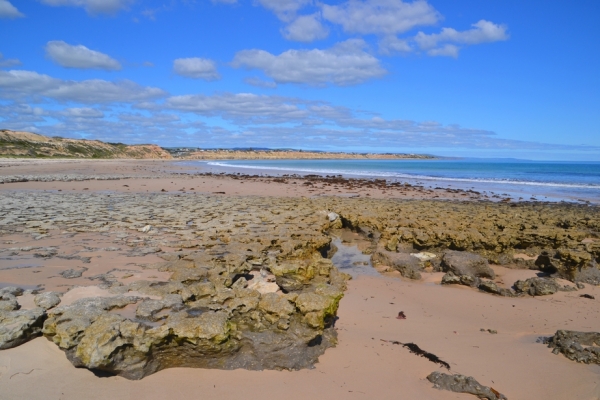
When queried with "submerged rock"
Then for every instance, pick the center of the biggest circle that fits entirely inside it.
(463, 384)
(583, 347)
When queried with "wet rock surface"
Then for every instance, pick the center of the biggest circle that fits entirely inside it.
(463, 384)
(583, 347)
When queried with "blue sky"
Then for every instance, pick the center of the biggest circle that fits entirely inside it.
(492, 78)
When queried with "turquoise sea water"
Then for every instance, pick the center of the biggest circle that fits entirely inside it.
(520, 179)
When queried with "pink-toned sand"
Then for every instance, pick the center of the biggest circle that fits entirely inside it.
(445, 321)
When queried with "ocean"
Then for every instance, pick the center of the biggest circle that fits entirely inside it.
(519, 179)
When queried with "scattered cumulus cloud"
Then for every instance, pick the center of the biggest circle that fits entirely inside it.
(305, 28)
(445, 42)
(285, 10)
(20, 84)
(79, 56)
(93, 6)
(392, 44)
(196, 68)
(380, 16)
(7, 10)
(84, 112)
(256, 81)
(346, 63)
(8, 62)
(241, 107)
(447, 50)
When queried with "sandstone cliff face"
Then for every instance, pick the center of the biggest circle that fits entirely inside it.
(26, 144)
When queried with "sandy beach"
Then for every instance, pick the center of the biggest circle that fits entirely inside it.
(84, 228)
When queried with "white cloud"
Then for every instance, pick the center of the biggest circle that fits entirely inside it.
(16, 84)
(8, 62)
(284, 9)
(392, 44)
(256, 81)
(85, 112)
(70, 56)
(93, 6)
(7, 10)
(380, 16)
(447, 50)
(245, 107)
(305, 28)
(197, 68)
(344, 64)
(482, 32)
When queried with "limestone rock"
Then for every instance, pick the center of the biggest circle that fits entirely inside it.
(148, 308)
(72, 273)
(450, 278)
(463, 384)
(491, 287)
(409, 266)
(17, 327)
(465, 263)
(537, 286)
(8, 303)
(12, 290)
(583, 347)
(47, 300)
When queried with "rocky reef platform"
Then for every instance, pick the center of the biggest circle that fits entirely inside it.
(127, 284)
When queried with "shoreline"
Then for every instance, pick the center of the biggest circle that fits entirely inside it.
(105, 222)
(25, 173)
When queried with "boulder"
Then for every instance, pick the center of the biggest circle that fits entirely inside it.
(17, 327)
(408, 265)
(8, 302)
(47, 300)
(491, 287)
(12, 290)
(465, 263)
(450, 278)
(537, 286)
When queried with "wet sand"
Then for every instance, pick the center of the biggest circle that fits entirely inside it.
(445, 321)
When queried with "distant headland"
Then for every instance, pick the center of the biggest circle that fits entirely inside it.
(18, 144)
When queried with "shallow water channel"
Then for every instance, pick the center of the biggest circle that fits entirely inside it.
(349, 259)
